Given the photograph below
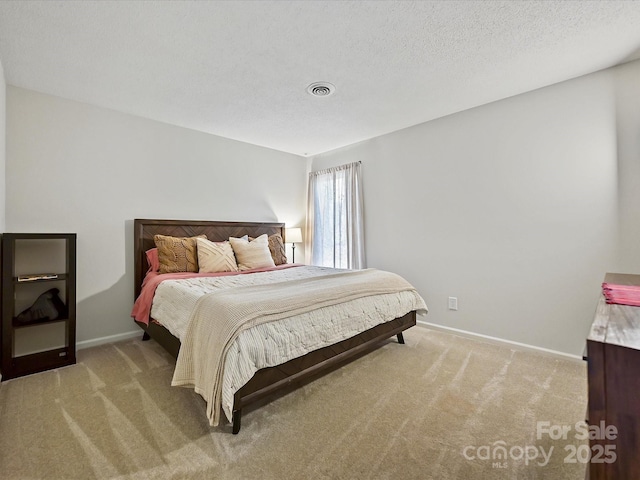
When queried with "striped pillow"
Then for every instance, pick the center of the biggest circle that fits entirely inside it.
(253, 254)
(215, 257)
(276, 247)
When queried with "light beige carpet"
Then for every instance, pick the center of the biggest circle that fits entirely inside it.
(431, 409)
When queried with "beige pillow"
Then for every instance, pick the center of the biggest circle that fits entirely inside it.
(276, 247)
(215, 257)
(253, 254)
(177, 254)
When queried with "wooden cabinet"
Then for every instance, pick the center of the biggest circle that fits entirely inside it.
(38, 302)
(613, 359)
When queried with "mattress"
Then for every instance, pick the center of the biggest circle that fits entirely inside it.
(274, 343)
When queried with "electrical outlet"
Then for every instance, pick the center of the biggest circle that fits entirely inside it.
(453, 303)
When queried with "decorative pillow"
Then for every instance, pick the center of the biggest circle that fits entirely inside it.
(215, 256)
(152, 259)
(253, 254)
(276, 247)
(177, 254)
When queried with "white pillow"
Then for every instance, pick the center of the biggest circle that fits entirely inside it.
(253, 254)
(215, 257)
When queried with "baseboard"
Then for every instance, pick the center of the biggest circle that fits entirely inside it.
(109, 339)
(500, 341)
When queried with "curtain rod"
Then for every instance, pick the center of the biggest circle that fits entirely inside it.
(335, 169)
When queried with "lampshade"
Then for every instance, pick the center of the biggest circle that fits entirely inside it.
(293, 235)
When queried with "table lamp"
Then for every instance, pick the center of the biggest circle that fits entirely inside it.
(293, 236)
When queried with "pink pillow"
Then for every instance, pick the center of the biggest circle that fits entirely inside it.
(152, 260)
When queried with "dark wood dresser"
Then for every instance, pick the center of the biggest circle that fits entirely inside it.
(613, 358)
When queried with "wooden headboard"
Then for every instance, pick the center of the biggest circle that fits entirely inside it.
(144, 230)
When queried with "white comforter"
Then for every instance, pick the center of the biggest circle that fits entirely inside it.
(273, 343)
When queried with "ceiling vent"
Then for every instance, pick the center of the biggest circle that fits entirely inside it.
(321, 89)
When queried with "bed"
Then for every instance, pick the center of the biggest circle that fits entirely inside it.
(265, 381)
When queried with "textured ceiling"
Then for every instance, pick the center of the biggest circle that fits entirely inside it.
(240, 69)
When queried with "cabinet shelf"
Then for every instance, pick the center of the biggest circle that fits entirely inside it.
(59, 277)
(35, 346)
(16, 324)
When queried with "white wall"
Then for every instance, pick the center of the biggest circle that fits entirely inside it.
(79, 168)
(627, 93)
(3, 110)
(512, 207)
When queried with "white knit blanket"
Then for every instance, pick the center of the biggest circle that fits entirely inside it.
(220, 317)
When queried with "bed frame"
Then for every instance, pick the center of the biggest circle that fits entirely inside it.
(267, 380)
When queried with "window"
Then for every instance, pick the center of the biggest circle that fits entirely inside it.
(335, 216)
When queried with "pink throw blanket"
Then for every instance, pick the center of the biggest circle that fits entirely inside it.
(142, 307)
(622, 294)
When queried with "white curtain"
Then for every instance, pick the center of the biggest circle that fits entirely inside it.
(335, 218)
